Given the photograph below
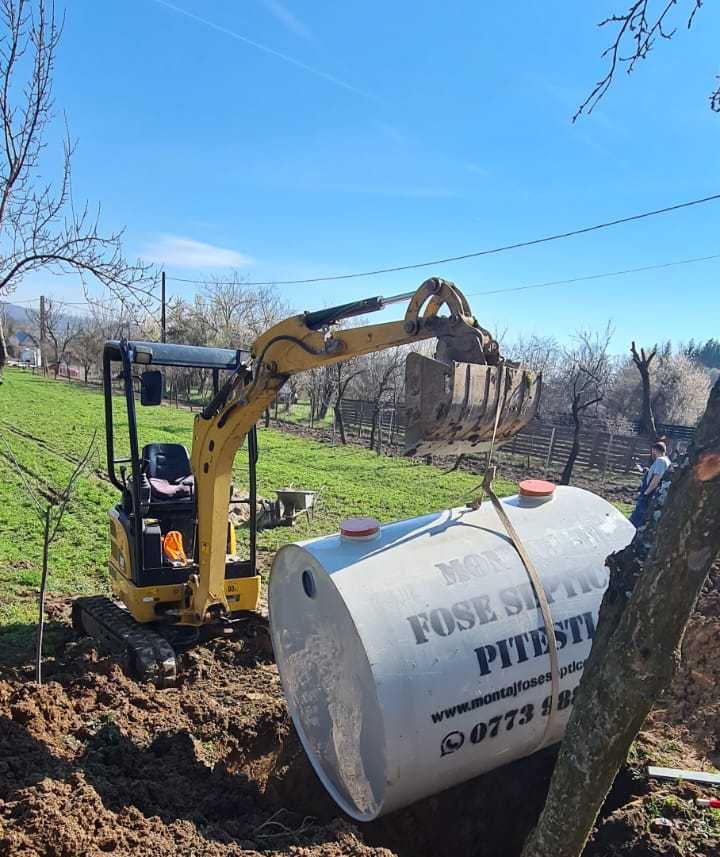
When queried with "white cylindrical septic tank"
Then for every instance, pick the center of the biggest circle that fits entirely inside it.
(415, 657)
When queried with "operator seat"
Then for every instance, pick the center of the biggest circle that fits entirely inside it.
(167, 467)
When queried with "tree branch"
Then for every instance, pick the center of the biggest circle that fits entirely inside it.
(639, 31)
(40, 226)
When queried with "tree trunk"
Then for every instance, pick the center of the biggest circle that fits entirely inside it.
(637, 645)
(574, 452)
(267, 417)
(340, 423)
(374, 425)
(458, 461)
(647, 418)
(3, 350)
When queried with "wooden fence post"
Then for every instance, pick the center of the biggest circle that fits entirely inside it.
(607, 459)
(630, 454)
(593, 459)
(550, 451)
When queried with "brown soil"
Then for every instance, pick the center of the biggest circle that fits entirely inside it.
(94, 763)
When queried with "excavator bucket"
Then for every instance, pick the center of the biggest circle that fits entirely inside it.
(455, 408)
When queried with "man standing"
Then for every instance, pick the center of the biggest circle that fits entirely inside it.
(652, 478)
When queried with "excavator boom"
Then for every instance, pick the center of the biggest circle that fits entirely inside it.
(464, 400)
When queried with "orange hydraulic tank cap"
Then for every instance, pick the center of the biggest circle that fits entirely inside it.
(536, 488)
(359, 528)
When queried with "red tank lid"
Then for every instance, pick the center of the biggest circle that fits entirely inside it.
(358, 528)
(536, 488)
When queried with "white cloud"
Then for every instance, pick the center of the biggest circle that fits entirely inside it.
(282, 14)
(186, 253)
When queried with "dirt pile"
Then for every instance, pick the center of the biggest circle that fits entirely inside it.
(94, 763)
(692, 706)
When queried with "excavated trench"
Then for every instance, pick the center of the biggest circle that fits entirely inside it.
(489, 816)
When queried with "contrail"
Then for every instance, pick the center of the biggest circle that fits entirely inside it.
(330, 78)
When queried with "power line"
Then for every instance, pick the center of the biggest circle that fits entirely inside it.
(594, 276)
(475, 254)
(543, 285)
(57, 300)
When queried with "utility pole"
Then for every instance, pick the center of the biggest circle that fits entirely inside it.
(42, 334)
(162, 310)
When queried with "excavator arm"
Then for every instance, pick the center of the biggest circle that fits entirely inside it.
(308, 341)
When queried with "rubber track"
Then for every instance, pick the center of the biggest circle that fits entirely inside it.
(149, 656)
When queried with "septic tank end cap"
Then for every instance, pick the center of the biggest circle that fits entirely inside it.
(536, 488)
(359, 528)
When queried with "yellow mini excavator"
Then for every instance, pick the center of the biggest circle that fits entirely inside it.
(464, 400)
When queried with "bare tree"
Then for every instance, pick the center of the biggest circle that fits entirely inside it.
(682, 389)
(229, 313)
(381, 375)
(679, 387)
(60, 331)
(585, 384)
(104, 322)
(221, 312)
(50, 507)
(343, 374)
(319, 385)
(654, 584)
(266, 309)
(41, 227)
(225, 314)
(642, 361)
(637, 31)
(539, 353)
(86, 348)
(3, 344)
(542, 354)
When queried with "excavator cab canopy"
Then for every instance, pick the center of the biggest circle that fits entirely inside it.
(153, 465)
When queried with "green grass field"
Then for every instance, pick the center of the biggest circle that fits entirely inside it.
(46, 425)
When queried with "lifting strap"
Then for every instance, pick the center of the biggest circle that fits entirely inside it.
(530, 568)
(540, 595)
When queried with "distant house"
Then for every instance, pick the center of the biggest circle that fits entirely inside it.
(22, 347)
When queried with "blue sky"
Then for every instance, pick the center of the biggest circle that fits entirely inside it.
(356, 135)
